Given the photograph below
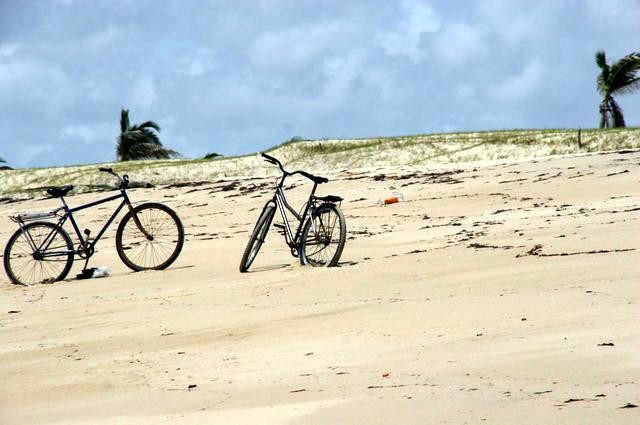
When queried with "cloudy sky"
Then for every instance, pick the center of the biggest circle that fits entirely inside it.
(237, 76)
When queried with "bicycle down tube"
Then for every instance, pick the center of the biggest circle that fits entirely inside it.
(93, 204)
(281, 201)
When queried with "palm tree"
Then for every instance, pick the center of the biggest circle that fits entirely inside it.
(4, 167)
(140, 141)
(618, 78)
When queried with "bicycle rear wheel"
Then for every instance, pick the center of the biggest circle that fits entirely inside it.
(257, 237)
(323, 237)
(161, 244)
(50, 262)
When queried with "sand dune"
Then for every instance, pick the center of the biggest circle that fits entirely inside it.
(327, 156)
(501, 293)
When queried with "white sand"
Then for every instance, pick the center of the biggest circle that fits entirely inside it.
(466, 333)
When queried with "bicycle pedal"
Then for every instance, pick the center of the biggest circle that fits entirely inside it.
(281, 229)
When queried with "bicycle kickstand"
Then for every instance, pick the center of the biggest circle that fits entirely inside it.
(86, 273)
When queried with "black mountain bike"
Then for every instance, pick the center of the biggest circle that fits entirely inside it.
(149, 237)
(321, 233)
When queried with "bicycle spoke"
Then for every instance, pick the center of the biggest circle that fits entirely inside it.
(49, 263)
(152, 251)
(323, 238)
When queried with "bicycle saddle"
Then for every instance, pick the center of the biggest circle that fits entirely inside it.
(329, 198)
(59, 192)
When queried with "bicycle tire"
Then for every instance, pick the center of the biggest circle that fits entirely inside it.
(323, 237)
(42, 271)
(257, 237)
(167, 237)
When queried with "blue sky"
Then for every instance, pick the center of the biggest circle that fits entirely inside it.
(238, 76)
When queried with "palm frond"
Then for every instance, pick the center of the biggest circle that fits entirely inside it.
(603, 77)
(149, 124)
(148, 136)
(124, 120)
(621, 77)
(140, 141)
(624, 73)
(631, 86)
(601, 59)
(151, 151)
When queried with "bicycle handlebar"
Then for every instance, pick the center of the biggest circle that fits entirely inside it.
(124, 180)
(315, 179)
(271, 159)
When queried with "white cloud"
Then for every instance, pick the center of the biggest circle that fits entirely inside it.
(527, 82)
(90, 134)
(198, 62)
(460, 44)
(621, 15)
(294, 48)
(31, 75)
(339, 75)
(518, 22)
(8, 49)
(405, 39)
(104, 38)
(143, 93)
(97, 90)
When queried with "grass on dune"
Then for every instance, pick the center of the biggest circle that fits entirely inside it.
(333, 154)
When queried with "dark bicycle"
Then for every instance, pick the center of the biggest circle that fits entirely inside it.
(321, 233)
(149, 237)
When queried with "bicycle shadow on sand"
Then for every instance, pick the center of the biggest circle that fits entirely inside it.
(268, 268)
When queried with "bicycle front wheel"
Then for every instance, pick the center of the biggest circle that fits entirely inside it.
(257, 237)
(49, 262)
(150, 237)
(323, 237)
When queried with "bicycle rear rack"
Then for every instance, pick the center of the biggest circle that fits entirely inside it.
(33, 216)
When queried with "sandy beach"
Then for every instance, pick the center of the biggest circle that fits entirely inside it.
(497, 292)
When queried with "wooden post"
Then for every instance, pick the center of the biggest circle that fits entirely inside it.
(579, 139)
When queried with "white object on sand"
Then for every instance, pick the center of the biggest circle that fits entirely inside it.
(102, 271)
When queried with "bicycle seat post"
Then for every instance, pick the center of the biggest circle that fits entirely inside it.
(64, 203)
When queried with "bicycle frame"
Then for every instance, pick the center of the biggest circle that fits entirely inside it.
(281, 201)
(85, 244)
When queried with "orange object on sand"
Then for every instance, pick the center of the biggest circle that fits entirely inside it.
(397, 197)
(392, 200)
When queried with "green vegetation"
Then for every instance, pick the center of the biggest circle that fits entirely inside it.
(212, 155)
(140, 141)
(291, 141)
(4, 167)
(619, 78)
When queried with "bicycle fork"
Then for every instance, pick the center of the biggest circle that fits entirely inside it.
(136, 220)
